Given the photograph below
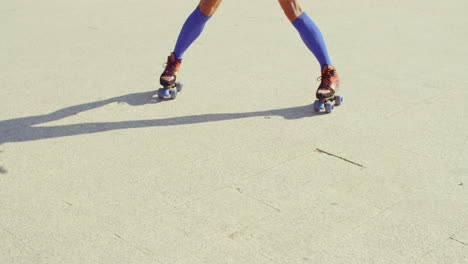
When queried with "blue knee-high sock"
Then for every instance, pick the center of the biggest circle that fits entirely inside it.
(191, 30)
(312, 37)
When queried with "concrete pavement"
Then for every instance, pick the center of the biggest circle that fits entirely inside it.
(238, 169)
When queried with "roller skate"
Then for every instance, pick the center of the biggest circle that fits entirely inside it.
(326, 98)
(168, 78)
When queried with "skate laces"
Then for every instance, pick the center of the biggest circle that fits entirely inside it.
(170, 66)
(325, 79)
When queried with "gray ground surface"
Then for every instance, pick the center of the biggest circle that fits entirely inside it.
(238, 169)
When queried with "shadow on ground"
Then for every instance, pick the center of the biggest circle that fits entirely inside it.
(23, 129)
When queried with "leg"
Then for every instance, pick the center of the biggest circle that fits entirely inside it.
(191, 30)
(313, 39)
(194, 25)
(292, 9)
(308, 30)
(209, 7)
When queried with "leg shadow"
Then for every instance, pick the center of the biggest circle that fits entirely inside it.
(23, 129)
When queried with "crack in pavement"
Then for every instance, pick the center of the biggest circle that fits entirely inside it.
(336, 156)
(461, 242)
(260, 201)
(137, 248)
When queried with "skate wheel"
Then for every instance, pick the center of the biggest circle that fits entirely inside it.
(338, 100)
(329, 107)
(161, 93)
(173, 94)
(179, 86)
(318, 106)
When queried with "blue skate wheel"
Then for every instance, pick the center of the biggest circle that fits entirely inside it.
(329, 107)
(161, 93)
(179, 86)
(318, 106)
(173, 94)
(338, 100)
(165, 93)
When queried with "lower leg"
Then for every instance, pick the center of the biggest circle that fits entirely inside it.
(313, 39)
(307, 29)
(190, 31)
(194, 25)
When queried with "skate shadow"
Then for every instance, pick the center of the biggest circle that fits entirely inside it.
(26, 129)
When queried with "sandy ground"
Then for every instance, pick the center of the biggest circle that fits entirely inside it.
(238, 169)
